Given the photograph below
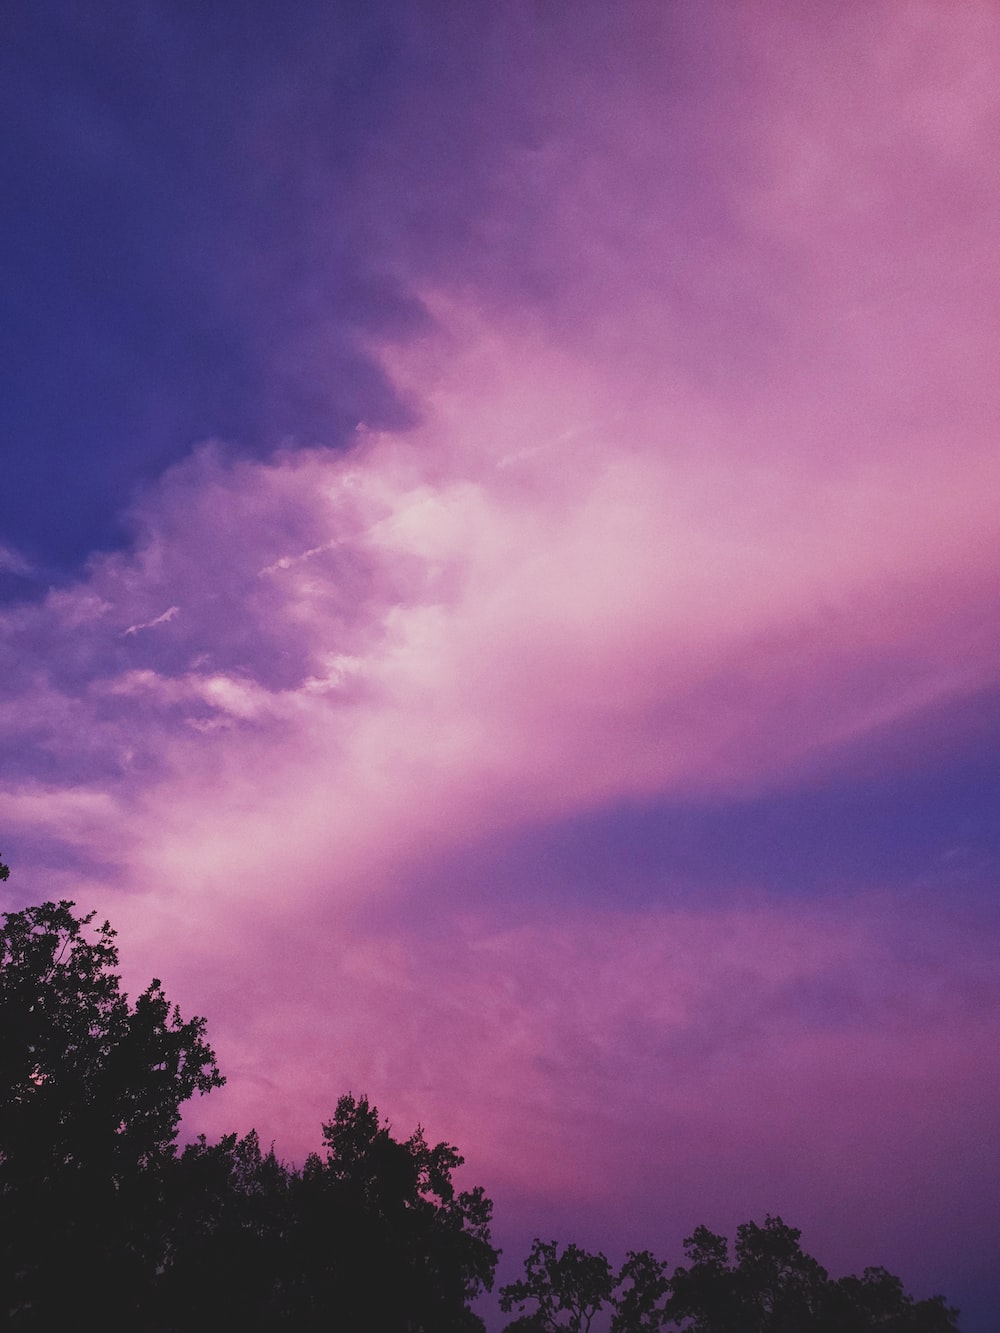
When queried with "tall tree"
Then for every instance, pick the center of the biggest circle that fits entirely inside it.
(90, 1094)
(387, 1240)
(770, 1285)
(230, 1260)
(877, 1303)
(642, 1283)
(566, 1290)
(774, 1287)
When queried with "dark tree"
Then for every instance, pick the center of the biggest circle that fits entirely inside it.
(769, 1286)
(90, 1091)
(567, 1290)
(781, 1288)
(230, 1261)
(383, 1236)
(876, 1303)
(704, 1295)
(774, 1287)
(372, 1235)
(639, 1291)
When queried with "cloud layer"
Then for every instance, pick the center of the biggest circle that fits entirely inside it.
(698, 505)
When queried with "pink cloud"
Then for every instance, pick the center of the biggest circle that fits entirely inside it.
(692, 1060)
(590, 621)
(585, 575)
(719, 514)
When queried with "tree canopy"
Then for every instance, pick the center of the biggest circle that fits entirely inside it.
(84, 1074)
(90, 1094)
(772, 1287)
(373, 1232)
(568, 1289)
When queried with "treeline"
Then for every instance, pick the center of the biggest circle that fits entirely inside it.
(105, 1222)
(769, 1286)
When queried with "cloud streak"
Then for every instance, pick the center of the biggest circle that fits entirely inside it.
(163, 619)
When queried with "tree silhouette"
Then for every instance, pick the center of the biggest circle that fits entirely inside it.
(779, 1286)
(386, 1236)
(876, 1303)
(90, 1091)
(230, 1261)
(774, 1287)
(575, 1284)
(771, 1286)
(641, 1286)
(568, 1289)
(373, 1235)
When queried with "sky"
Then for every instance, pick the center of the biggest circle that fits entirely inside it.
(498, 556)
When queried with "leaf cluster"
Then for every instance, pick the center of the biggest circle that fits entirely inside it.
(569, 1288)
(771, 1286)
(86, 1079)
(372, 1232)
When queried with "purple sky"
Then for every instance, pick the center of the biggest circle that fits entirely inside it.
(499, 556)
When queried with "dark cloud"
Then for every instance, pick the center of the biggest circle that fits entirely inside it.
(170, 274)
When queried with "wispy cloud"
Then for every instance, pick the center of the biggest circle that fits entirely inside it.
(12, 562)
(163, 619)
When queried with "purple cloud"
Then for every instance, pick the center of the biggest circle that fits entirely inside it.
(696, 503)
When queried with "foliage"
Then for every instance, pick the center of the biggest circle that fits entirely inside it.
(374, 1233)
(770, 1286)
(573, 1283)
(642, 1284)
(774, 1287)
(90, 1091)
(876, 1303)
(411, 1251)
(568, 1289)
(85, 1078)
(229, 1261)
